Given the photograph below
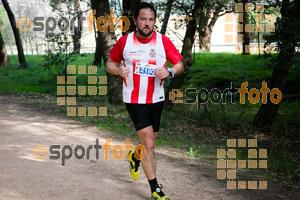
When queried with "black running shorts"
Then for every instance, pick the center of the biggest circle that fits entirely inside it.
(143, 115)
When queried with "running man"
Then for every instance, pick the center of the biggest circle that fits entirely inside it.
(143, 55)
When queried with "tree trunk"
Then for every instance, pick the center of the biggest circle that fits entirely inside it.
(11, 50)
(128, 11)
(211, 26)
(246, 35)
(98, 7)
(105, 41)
(4, 59)
(203, 30)
(98, 52)
(31, 48)
(26, 46)
(78, 28)
(12, 20)
(186, 52)
(267, 112)
(166, 17)
(36, 45)
(206, 41)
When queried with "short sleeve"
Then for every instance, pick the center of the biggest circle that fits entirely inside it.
(172, 55)
(116, 53)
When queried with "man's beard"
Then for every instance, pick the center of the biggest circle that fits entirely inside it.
(145, 34)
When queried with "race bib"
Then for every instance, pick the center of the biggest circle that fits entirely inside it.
(145, 69)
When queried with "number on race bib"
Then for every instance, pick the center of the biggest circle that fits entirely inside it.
(145, 69)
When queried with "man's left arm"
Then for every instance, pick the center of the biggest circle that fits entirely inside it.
(178, 68)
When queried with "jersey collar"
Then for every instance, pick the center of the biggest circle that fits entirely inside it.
(144, 41)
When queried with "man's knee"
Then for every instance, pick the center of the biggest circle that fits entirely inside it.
(149, 143)
(147, 139)
(149, 146)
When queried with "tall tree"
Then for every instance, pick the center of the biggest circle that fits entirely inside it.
(209, 16)
(12, 20)
(98, 55)
(7, 34)
(105, 41)
(4, 59)
(72, 9)
(287, 37)
(77, 29)
(166, 16)
(187, 48)
(246, 35)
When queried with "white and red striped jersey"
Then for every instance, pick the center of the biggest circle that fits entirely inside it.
(156, 50)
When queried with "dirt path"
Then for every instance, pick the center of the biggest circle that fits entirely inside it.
(22, 176)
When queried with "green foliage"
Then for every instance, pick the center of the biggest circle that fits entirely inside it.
(57, 55)
(191, 153)
(2, 13)
(37, 79)
(218, 70)
(5, 28)
(287, 26)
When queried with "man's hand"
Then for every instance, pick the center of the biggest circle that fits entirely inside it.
(124, 71)
(161, 73)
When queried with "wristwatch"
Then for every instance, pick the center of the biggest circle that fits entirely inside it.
(171, 72)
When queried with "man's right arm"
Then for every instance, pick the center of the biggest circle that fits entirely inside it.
(112, 68)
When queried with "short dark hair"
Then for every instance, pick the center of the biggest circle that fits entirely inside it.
(143, 5)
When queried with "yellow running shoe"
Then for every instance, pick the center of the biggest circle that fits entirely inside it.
(159, 195)
(133, 167)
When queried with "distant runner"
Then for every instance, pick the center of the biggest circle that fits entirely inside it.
(143, 55)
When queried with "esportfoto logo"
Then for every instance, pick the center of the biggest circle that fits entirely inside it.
(234, 27)
(80, 152)
(50, 24)
(228, 163)
(203, 95)
(97, 85)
